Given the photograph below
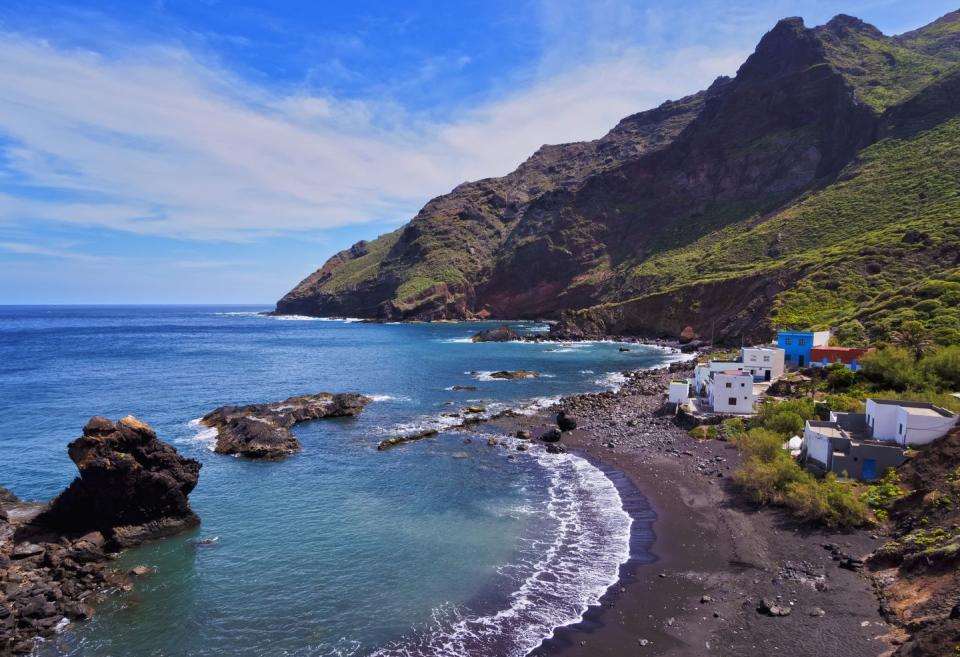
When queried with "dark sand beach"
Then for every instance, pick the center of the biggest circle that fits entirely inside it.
(716, 555)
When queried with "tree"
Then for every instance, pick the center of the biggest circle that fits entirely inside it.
(850, 334)
(943, 367)
(893, 368)
(914, 337)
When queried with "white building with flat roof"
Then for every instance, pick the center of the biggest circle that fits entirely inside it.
(765, 363)
(679, 392)
(731, 391)
(703, 373)
(907, 422)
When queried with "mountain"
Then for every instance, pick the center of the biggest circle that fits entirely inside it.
(819, 187)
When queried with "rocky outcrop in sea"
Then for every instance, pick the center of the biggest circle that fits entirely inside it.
(262, 431)
(54, 558)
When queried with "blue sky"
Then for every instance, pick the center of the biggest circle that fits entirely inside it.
(194, 151)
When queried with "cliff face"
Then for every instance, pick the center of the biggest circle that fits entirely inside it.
(695, 213)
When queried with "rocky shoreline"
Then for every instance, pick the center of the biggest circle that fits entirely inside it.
(730, 579)
(55, 558)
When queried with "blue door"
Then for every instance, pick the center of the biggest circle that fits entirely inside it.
(869, 469)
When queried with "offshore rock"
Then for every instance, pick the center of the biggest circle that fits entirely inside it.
(500, 334)
(262, 431)
(132, 486)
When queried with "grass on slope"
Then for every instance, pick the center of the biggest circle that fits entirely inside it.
(891, 221)
(349, 274)
(882, 71)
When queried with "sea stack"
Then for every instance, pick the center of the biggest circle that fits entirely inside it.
(132, 486)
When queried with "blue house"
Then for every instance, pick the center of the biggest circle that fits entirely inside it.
(797, 345)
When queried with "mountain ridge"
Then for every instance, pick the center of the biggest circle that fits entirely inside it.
(584, 230)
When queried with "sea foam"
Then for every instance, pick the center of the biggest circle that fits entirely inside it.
(558, 575)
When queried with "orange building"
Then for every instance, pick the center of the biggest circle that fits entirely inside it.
(849, 356)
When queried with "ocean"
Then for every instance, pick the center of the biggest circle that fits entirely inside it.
(440, 547)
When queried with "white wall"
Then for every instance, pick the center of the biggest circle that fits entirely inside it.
(740, 390)
(679, 392)
(818, 446)
(922, 429)
(821, 338)
(882, 418)
(906, 426)
(701, 374)
(760, 359)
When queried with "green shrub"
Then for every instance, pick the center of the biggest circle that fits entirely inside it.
(785, 423)
(884, 492)
(894, 368)
(942, 368)
(839, 378)
(843, 403)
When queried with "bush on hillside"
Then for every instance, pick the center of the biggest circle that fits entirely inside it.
(828, 501)
(839, 378)
(942, 368)
(893, 368)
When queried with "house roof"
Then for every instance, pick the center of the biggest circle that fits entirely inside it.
(844, 350)
(914, 407)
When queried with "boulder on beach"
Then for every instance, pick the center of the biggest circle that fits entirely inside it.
(463, 388)
(132, 486)
(475, 409)
(523, 434)
(514, 374)
(550, 436)
(500, 334)
(565, 421)
(262, 431)
(556, 448)
(687, 334)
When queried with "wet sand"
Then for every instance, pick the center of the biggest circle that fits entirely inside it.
(715, 555)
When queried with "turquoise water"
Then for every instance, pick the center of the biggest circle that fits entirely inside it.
(439, 547)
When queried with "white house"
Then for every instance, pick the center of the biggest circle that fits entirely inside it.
(906, 422)
(816, 441)
(679, 392)
(702, 373)
(765, 363)
(731, 391)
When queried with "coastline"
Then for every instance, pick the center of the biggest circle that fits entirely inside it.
(715, 556)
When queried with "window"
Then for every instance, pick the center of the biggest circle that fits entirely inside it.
(900, 430)
(732, 401)
(766, 359)
(729, 385)
(802, 341)
(788, 341)
(743, 385)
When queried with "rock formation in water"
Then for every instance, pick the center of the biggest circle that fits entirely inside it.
(54, 559)
(500, 334)
(262, 431)
(132, 486)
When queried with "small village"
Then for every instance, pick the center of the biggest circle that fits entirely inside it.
(851, 444)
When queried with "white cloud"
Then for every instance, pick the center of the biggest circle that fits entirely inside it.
(162, 142)
(23, 248)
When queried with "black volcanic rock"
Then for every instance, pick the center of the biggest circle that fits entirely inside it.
(550, 436)
(262, 431)
(132, 486)
(500, 334)
(565, 421)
